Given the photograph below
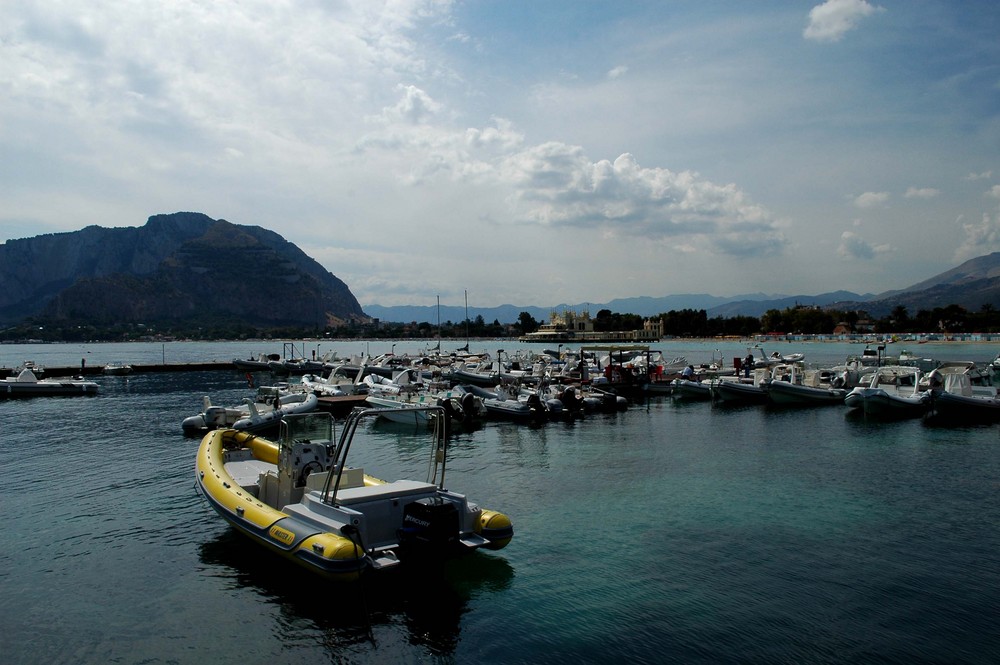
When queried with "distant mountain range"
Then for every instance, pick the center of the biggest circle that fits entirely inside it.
(188, 268)
(745, 305)
(971, 285)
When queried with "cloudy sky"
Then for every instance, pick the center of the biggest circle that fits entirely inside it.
(528, 153)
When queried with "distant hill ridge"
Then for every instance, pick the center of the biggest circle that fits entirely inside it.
(745, 305)
(179, 268)
(972, 285)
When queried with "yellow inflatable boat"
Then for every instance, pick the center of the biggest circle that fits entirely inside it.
(298, 497)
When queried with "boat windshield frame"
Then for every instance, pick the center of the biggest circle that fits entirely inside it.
(436, 471)
(313, 426)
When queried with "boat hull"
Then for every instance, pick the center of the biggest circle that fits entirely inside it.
(330, 555)
(879, 403)
(13, 389)
(269, 420)
(398, 410)
(784, 393)
(740, 393)
(693, 390)
(951, 408)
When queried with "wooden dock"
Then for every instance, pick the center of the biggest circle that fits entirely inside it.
(98, 370)
(341, 405)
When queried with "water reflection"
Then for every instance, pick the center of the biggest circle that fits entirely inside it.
(428, 602)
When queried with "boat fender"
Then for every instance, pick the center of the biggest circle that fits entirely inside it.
(496, 528)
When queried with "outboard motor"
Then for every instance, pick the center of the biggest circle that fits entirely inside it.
(572, 400)
(429, 526)
(453, 408)
(215, 417)
(538, 409)
(469, 405)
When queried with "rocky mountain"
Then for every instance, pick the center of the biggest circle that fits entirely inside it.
(178, 268)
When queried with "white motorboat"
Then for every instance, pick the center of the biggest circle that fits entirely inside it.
(338, 382)
(955, 400)
(264, 419)
(404, 381)
(117, 369)
(399, 408)
(399, 398)
(36, 369)
(484, 375)
(894, 392)
(286, 366)
(258, 363)
(503, 402)
(754, 389)
(792, 393)
(692, 390)
(250, 411)
(776, 358)
(26, 384)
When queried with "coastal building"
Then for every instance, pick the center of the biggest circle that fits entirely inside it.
(571, 326)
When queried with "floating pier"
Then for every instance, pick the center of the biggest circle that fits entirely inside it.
(98, 370)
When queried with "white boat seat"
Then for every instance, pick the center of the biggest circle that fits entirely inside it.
(350, 478)
(247, 473)
(394, 490)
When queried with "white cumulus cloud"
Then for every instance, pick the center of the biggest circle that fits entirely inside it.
(982, 238)
(872, 199)
(829, 21)
(921, 193)
(853, 246)
(557, 185)
(618, 72)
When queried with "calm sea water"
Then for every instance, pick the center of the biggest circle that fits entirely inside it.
(671, 532)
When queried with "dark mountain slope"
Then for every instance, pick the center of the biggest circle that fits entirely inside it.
(180, 268)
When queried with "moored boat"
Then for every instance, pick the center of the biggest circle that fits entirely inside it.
(268, 418)
(693, 390)
(117, 369)
(955, 400)
(754, 389)
(258, 363)
(735, 391)
(786, 393)
(297, 496)
(336, 383)
(264, 411)
(26, 384)
(894, 392)
(503, 402)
